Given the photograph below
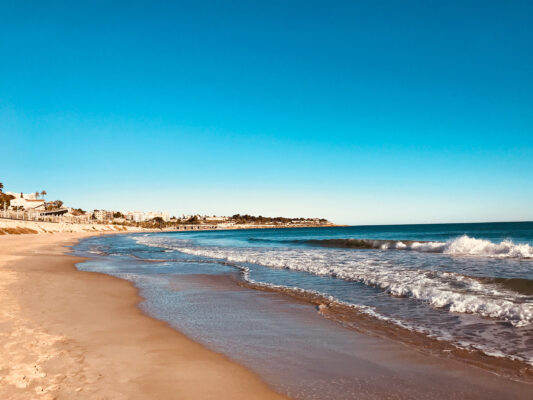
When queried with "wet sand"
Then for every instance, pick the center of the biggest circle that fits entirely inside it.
(68, 334)
(301, 353)
(354, 319)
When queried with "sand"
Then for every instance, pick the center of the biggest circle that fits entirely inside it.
(70, 334)
(12, 226)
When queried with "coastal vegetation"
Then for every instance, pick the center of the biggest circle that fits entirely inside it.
(5, 199)
(236, 220)
(78, 212)
(194, 220)
(53, 205)
(42, 193)
(251, 219)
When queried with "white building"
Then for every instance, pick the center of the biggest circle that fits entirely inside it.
(140, 216)
(27, 200)
(136, 216)
(216, 219)
(154, 214)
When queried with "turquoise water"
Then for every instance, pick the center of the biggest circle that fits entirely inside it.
(469, 284)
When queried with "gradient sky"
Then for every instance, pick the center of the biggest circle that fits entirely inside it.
(360, 111)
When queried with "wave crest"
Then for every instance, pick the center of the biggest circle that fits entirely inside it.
(463, 245)
(473, 246)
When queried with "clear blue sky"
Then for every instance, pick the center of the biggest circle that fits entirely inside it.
(359, 111)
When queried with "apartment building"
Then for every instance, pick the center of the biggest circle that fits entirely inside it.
(103, 215)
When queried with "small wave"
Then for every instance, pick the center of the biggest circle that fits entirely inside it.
(361, 243)
(341, 243)
(519, 285)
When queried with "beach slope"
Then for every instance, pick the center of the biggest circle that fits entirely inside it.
(71, 334)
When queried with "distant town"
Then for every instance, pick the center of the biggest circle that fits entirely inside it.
(35, 207)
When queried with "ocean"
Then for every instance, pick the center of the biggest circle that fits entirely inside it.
(464, 286)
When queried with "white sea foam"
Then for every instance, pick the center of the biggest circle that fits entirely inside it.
(472, 246)
(466, 245)
(456, 292)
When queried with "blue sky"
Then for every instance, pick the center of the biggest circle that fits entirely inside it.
(359, 111)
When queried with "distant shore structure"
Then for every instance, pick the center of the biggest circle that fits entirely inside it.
(34, 207)
(133, 216)
(27, 200)
(103, 215)
(140, 216)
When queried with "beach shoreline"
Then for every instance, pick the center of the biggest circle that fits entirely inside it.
(67, 333)
(299, 349)
(73, 334)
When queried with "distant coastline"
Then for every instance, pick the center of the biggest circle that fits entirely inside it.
(31, 213)
(15, 226)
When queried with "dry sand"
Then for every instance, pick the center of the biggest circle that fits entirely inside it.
(15, 226)
(69, 334)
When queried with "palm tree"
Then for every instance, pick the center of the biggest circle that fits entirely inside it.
(43, 193)
(37, 194)
(1, 187)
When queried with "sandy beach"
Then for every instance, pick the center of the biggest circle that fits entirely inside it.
(67, 333)
(70, 334)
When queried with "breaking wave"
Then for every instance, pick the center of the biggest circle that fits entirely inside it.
(463, 245)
